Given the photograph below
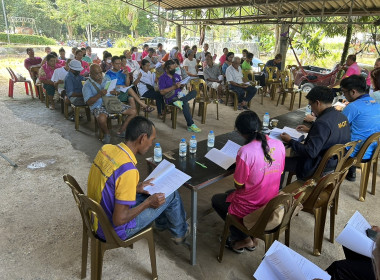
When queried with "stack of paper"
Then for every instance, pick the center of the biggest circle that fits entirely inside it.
(226, 156)
(282, 263)
(110, 86)
(294, 134)
(354, 236)
(167, 179)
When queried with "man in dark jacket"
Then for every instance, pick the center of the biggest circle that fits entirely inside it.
(331, 127)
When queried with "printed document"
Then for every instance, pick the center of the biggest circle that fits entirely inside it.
(354, 236)
(282, 263)
(124, 89)
(167, 179)
(294, 134)
(110, 86)
(226, 156)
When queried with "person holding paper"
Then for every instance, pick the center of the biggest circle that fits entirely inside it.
(355, 266)
(93, 91)
(130, 64)
(113, 182)
(152, 58)
(213, 77)
(259, 164)
(170, 87)
(331, 127)
(190, 64)
(123, 83)
(234, 77)
(145, 80)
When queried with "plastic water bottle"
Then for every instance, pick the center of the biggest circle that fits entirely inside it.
(193, 145)
(157, 153)
(182, 148)
(211, 139)
(308, 110)
(266, 120)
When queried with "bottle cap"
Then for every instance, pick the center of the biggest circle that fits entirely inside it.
(183, 140)
(211, 131)
(192, 136)
(266, 113)
(157, 144)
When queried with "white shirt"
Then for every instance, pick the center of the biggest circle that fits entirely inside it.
(147, 78)
(133, 65)
(191, 66)
(59, 74)
(234, 75)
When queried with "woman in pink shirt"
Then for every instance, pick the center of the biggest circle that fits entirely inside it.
(259, 165)
(223, 58)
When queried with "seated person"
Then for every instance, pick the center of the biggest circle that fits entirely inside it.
(190, 64)
(369, 80)
(32, 64)
(151, 58)
(274, 62)
(73, 83)
(86, 58)
(58, 78)
(122, 82)
(47, 51)
(331, 127)
(223, 58)
(197, 55)
(247, 65)
(356, 266)
(375, 80)
(234, 77)
(145, 51)
(62, 54)
(170, 87)
(203, 53)
(73, 51)
(130, 64)
(180, 70)
(160, 50)
(244, 53)
(94, 57)
(93, 91)
(45, 74)
(227, 62)
(363, 115)
(144, 79)
(86, 67)
(106, 62)
(259, 164)
(127, 205)
(351, 68)
(213, 77)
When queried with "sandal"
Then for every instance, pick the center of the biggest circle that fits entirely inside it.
(148, 109)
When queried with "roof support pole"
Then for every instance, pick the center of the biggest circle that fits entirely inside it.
(178, 36)
(284, 43)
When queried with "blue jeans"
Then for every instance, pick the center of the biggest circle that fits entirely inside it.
(241, 92)
(158, 97)
(171, 215)
(186, 107)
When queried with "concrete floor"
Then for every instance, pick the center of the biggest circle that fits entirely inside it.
(40, 226)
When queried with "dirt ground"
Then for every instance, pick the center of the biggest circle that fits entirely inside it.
(40, 225)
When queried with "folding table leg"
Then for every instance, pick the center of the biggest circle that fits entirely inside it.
(194, 222)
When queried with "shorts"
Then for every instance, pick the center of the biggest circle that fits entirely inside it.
(77, 101)
(50, 90)
(102, 110)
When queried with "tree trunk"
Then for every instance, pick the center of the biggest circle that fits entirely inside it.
(345, 48)
(277, 37)
(69, 30)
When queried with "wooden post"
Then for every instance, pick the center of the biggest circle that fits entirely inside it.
(284, 44)
(178, 36)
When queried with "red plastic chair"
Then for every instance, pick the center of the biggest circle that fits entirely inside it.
(14, 80)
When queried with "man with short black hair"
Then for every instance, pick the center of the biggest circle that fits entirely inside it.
(331, 127)
(113, 182)
(32, 64)
(151, 58)
(275, 62)
(62, 54)
(363, 114)
(351, 67)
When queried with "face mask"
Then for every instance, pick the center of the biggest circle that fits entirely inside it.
(172, 72)
(177, 69)
(109, 60)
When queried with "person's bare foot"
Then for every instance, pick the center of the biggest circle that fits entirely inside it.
(245, 243)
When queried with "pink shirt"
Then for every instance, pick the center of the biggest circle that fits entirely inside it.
(368, 80)
(46, 72)
(144, 54)
(86, 68)
(354, 69)
(32, 61)
(222, 59)
(261, 181)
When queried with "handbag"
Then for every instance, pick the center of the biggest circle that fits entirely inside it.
(111, 103)
(171, 93)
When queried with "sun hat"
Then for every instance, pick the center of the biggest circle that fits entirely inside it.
(75, 65)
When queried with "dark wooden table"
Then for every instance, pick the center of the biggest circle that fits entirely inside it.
(202, 177)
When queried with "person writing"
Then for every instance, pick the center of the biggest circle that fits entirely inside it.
(259, 164)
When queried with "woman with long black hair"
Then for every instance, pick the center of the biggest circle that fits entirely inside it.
(259, 164)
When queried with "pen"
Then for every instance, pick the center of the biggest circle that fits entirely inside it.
(204, 166)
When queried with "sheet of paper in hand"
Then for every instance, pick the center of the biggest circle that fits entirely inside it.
(167, 179)
(110, 86)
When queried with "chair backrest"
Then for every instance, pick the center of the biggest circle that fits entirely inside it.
(271, 70)
(324, 192)
(262, 66)
(196, 85)
(75, 188)
(374, 138)
(247, 74)
(12, 74)
(92, 210)
(286, 81)
(338, 151)
(282, 200)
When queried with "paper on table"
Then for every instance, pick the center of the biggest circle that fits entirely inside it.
(231, 148)
(309, 270)
(110, 86)
(167, 179)
(226, 156)
(354, 236)
(293, 133)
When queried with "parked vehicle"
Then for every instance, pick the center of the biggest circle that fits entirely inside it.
(171, 43)
(154, 42)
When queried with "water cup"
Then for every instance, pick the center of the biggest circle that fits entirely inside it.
(273, 123)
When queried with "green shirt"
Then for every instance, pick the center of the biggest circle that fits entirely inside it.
(246, 66)
(87, 59)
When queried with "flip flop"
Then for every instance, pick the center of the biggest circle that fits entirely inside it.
(148, 109)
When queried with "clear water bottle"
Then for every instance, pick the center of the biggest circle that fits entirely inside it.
(266, 120)
(182, 148)
(308, 110)
(193, 145)
(211, 139)
(157, 153)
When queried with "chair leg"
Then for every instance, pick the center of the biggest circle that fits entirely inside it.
(287, 236)
(88, 114)
(299, 99)
(66, 110)
(76, 117)
(336, 201)
(227, 97)
(319, 229)
(292, 99)
(278, 99)
(374, 174)
(26, 88)
(164, 114)
(235, 102)
(31, 89)
(217, 110)
(152, 254)
(174, 117)
(332, 222)
(268, 240)
(84, 252)
(262, 97)
(204, 113)
(62, 101)
(365, 168)
(193, 109)
(96, 259)
(46, 100)
(224, 239)
(10, 85)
